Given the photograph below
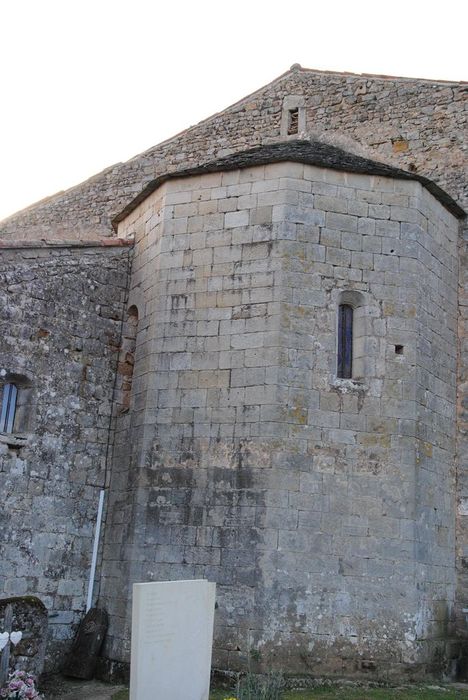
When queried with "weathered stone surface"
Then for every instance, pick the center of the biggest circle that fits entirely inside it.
(310, 500)
(28, 616)
(60, 327)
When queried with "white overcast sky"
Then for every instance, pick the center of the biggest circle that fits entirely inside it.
(87, 83)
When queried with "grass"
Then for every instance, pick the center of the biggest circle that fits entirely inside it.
(121, 695)
(337, 693)
(377, 694)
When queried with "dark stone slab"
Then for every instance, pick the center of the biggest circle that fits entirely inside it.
(84, 653)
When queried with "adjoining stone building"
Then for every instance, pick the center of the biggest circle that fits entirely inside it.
(252, 336)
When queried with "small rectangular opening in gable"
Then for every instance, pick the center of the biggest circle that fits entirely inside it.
(293, 121)
(398, 349)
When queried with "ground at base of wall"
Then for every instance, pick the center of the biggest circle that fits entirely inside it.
(431, 692)
(418, 693)
(58, 688)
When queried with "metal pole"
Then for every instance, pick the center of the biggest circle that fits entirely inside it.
(97, 531)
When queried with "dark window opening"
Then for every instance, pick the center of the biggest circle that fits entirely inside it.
(293, 121)
(399, 349)
(127, 357)
(8, 411)
(345, 341)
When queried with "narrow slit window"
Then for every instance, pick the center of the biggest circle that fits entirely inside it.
(7, 415)
(293, 121)
(127, 357)
(345, 341)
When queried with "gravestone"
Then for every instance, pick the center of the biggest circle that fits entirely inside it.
(172, 632)
(82, 660)
(24, 619)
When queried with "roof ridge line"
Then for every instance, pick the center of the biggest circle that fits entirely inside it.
(382, 76)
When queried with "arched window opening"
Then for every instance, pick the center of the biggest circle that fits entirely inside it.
(345, 341)
(8, 410)
(359, 343)
(127, 357)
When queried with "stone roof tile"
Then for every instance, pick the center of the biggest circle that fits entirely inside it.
(299, 151)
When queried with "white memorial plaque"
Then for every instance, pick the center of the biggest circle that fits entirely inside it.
(172, 633)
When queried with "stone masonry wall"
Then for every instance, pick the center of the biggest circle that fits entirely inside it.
(414, 124)
(323, 508)
(418, 125)
(60, 328)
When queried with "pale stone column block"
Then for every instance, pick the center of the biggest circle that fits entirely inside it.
(172, 633)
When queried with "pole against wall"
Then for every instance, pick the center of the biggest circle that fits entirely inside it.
(97, 531)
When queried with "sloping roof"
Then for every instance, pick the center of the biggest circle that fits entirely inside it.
(298, 151)
(372, 106)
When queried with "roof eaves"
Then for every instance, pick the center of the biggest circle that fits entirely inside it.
(299, 151)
